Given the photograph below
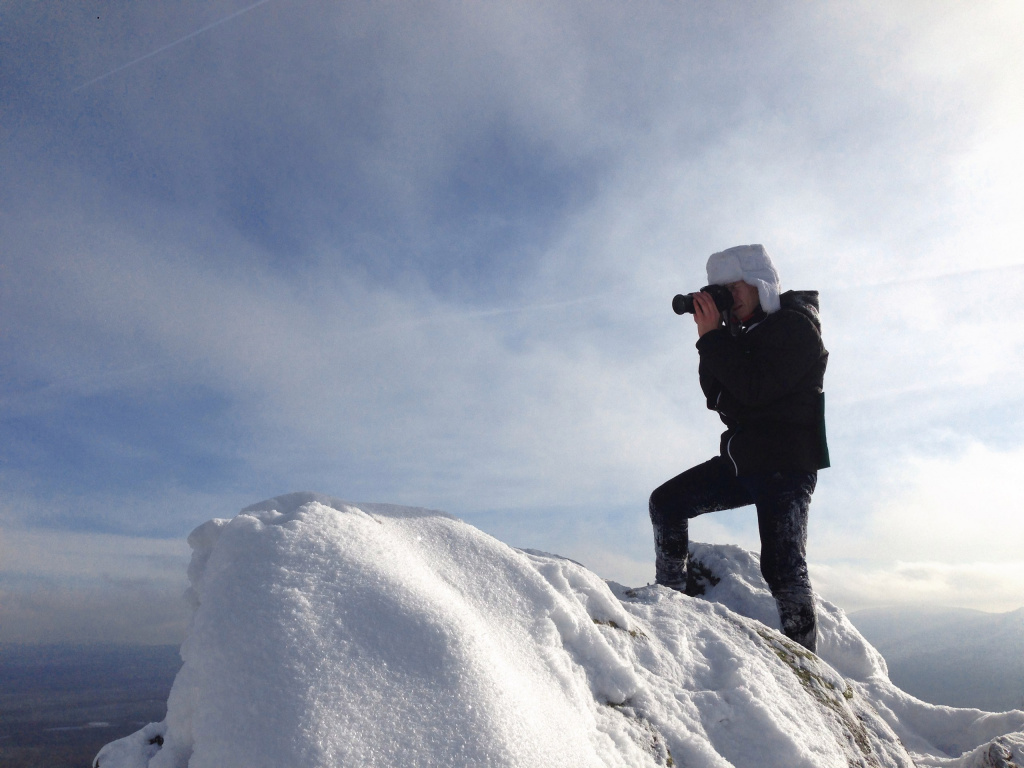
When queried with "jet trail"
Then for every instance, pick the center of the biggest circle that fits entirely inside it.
(163, 48)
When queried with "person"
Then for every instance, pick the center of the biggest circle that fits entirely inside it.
(762, 368)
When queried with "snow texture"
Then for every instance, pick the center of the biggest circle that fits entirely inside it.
(326, 633)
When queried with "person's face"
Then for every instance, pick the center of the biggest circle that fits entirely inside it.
(745, 299)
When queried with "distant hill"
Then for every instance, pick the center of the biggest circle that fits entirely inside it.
(953, 656)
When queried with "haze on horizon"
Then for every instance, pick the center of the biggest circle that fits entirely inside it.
(423, 254)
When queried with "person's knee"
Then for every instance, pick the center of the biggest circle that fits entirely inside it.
(656, 506)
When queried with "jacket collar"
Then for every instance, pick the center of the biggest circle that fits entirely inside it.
(738, 327)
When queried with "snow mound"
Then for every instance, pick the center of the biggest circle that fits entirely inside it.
(326, 633)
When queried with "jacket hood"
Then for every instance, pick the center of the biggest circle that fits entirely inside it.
(804, 302)
(752, 265)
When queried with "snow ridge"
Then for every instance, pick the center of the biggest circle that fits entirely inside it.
(326, 633)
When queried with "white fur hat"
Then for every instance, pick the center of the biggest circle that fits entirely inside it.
(752, 265)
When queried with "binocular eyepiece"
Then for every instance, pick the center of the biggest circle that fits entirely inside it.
(683, 302)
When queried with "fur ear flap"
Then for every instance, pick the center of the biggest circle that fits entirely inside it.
(769, 296)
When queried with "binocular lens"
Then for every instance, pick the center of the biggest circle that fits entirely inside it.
(682, 303)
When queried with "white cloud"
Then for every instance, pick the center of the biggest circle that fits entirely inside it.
(57, 586)
(839, 143)
(69, 555)
(961, 508)
(944, 530)
(947, 507)
(991, 586)
(48, 610)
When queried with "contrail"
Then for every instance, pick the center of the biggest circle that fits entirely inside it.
(929, 278)
(456, 317)
(163, 48)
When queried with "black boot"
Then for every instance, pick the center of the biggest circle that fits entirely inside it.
(796, 615)
(670, 571)
(670, 559)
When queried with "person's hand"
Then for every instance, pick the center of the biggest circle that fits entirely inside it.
(705, 313)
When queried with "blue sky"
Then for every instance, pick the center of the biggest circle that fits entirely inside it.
(423, 253)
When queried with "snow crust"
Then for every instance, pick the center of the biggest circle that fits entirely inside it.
(326, 633)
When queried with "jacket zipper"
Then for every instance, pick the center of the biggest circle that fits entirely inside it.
(728, 453)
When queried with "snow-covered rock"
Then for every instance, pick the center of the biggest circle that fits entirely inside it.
(333, 634)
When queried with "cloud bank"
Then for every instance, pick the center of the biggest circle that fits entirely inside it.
(424, 254)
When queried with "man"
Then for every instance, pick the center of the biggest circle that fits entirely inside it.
(762, 366)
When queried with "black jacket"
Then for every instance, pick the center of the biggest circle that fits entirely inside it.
(766, 384)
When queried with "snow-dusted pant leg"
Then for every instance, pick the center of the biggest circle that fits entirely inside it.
(783, 500)
(708, 487)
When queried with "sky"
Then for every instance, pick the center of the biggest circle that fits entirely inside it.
(424, 253)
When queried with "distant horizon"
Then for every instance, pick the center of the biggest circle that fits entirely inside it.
(160, 627)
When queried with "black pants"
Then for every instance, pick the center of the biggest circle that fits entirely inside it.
(782, 500)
